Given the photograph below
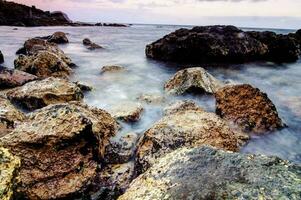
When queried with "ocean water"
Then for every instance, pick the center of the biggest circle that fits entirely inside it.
(126, 46)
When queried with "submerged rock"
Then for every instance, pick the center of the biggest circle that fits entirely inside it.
(38, 94)
(1, 58)
(182, 105)
(60, 147)
(13, 78)
(151, 98)
(58, 38)
(248, 107)
(127, 111)
(9, 116)
(209, 173)
(112, 68)
(192, 80)
(9, 166)
(91, 45)
(187, 128)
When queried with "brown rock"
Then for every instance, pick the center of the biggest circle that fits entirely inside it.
(182, 105)
(248, 107)
(127, 111)
(112, 68)
(58, 38)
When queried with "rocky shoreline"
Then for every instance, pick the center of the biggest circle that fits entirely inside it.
(54, 146)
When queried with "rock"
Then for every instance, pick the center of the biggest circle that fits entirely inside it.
(13, 78)
(60, 147)
(58, 38)
(38, 94)
(9, 116)
(43, 64)
(112, 68)
(298, 36)
(90, 45)
(1, 58)
(188, 128)
(127, 111)
(248, 107)
(212, 44)
(84, 87)
(192, 80)
(121, 150)
(209, 173)
(152, 98)
(9, 166)
(113, 180)
(181, 105)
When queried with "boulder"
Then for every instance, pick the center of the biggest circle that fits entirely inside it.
(43, 64)
(208, 173)
(192, 80)
(127, 111)
(248, 107)
(9, 166)
(83, 86)
(188, 128)
(1, 58)
(60, 147)
(10, 116)
(13, 78)
(38, 94)
(181, 105)
(152, 98)
(213, 44)
(91, 45)
(112, 68)
(58, 38)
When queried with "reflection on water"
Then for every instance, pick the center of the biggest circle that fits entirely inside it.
(125, 47)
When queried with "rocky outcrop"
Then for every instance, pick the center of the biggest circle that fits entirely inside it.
(111, 69)
(212, 44)
(188, 128)
(192, 80)
(9, 116)
(209, 173)
(127, 111)
(60, 147)
(91, 45)
(9, 166)
(248, 107)
(181, 105)
(58, 38)
(1, 58)
(38, 94)
(13, 14)
(112, 24)
(13, 78)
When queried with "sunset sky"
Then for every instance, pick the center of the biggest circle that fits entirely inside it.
(246, 13)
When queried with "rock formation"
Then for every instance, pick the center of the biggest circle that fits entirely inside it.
(91, 45)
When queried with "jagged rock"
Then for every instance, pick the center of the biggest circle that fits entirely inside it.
(13, 78)
(188, 128)
(209, 173)
(9, 166)
(192, 80)
(207, 44)
(248, 107)
(84, 87)
(127, 111)
(113, 180)
(9, 116)
(121, 150)
(60, 147)
(1, 58)
(151, 98)
(298, 36)
(38, 94)
(112, 68)
(181, 105)
(91, 45)
(58, 38)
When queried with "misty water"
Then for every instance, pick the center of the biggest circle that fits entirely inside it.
(126, 46)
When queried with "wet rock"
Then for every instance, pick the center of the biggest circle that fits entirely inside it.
(112, 68)
(248, 107)
(209, 173)
(151, 98)
(13, 78)
(60, 147)
(188, 128)
(192, 80)
(91, 45)
(43, 64)
(121, 150)
(127, 111)
(10, 116)
(38, 94)
(9, 166)
(1, 58)
(181, 105)
(83, 86)
(298, 36)
(113, 180)
(58, 38)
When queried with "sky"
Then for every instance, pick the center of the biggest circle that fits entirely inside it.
(243, 13)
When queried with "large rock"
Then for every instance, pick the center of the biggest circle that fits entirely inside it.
(192, 80)
(9, 116)
(60, 147)
(209, 44)
(91, 45)
(13, 78)
(188, 128)
(9, 166)
(248, 107)
(58, 38)
(209, 173)
(1, 58)
(181, 105)
(127, 111)
(38, 94)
